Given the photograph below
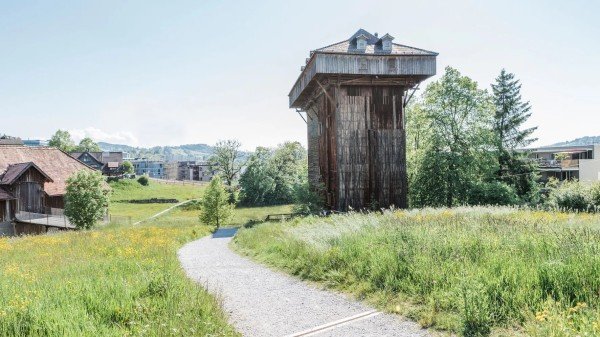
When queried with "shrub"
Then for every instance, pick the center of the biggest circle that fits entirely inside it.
(595, 195)
(492, 193)
(127, 167)
(143, 180)
(571, 196)
(307, 200)
(86, 199)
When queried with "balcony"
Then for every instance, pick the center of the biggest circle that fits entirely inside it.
(53, 217)
(557, 163)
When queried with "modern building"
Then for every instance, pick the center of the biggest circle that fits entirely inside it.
(35, 142)
(189, 170)
(151, 168)
(354, 93)
(568, 162)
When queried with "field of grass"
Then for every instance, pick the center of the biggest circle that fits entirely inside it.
(132, 190)
(471, 271)
(244, 215)
(112, 281)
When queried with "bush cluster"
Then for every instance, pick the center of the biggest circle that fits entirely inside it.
(574, 196)
(143, 180)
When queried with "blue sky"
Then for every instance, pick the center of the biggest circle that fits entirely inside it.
(174, 72)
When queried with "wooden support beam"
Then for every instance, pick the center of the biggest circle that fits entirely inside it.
(300, 114)
(326, 93)
(408, 98)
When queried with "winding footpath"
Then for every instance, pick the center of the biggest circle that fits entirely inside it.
(262, 303)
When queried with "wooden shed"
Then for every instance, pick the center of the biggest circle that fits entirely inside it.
(354, 93)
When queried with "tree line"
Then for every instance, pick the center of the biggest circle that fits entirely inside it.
(463, 144)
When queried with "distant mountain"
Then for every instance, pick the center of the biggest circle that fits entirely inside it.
(580, 141)
(197, 152)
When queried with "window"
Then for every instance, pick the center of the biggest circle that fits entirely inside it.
(361, 44)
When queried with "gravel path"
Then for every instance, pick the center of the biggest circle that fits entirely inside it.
(261, 302)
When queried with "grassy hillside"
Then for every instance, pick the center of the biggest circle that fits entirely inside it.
(113, 281)
(132, 190)
(475, 271)
(587, 140)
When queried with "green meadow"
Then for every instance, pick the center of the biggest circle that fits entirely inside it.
(471, 271)
(112, 281)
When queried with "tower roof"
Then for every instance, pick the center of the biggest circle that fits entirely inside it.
(373, 46)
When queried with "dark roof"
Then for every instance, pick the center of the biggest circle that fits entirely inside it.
(58, 165)
(373, 47)
(10, 141)
(102, 157)
(79, 156)
(14, 171)
(5, 195)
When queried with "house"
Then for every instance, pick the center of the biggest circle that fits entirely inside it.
(32, 189)
(109, 163)
(151, 168)
(567, 162)
(10, 141)
(354, 94)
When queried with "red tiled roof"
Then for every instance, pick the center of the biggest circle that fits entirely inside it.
(56, 164)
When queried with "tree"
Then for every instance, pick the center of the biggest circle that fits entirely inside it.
(510, 114)
(453, 150)
(226, 159)
(127, 167)
(62, 140)
(272, 176)
(87, 144)
(86, 200)
(216, 209)
(288, 166)
(256, 182)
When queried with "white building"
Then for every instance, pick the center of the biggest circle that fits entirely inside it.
(568, 162)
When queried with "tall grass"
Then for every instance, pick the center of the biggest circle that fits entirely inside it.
(112, 281)
(474, 271)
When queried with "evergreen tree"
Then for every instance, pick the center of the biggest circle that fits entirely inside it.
(509, 116)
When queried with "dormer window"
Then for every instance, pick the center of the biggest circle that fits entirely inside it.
(361, 42)
(386, 42)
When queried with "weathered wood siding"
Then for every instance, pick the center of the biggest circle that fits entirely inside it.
(29, 191)
(356, 146)
(375, 64)
(7, 227)
(352, 64)
(57, 201)
(389, 183)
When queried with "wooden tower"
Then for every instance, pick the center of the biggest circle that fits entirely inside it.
(354, 93)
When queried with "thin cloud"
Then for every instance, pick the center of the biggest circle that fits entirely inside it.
(121, 137)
